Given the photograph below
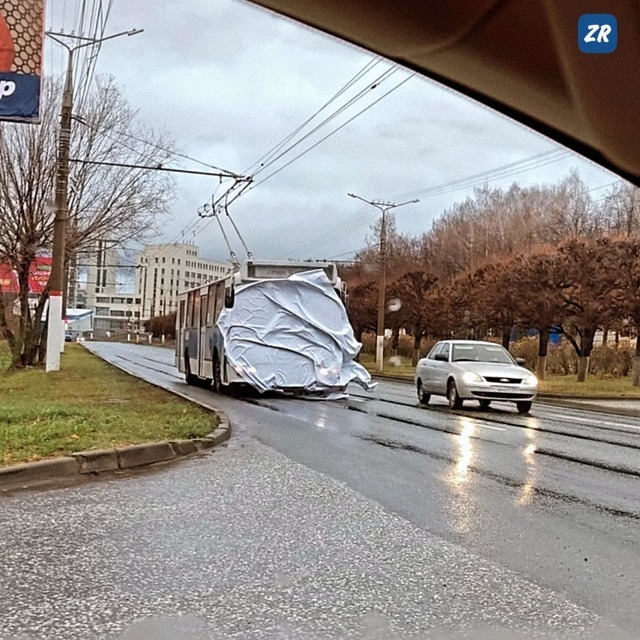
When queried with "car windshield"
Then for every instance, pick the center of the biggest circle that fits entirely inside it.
(481, 353)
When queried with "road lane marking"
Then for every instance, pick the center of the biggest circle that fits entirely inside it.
(487, 426)
(597, 422)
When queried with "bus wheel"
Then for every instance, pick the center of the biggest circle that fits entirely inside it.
(190, 379)
(217, 374)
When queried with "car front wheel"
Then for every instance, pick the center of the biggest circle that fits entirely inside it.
(455, 401)
(524, 407)
(423, 396)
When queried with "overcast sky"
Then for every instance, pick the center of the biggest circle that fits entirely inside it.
(229, 80)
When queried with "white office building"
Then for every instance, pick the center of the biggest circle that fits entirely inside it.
(162, 270)
(117, 313)
(102, 274)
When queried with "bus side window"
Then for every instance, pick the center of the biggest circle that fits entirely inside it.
(211, 307)
(189, 318)
(181, 319)
(204, 303)
(196, 307)
(219, 298)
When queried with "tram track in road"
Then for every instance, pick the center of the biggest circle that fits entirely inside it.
(557, 470)
(601, 463)
(486, 424)
(498, 419)
(501, 478)
(494, 420)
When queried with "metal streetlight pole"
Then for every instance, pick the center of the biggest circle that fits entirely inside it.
(55, 320)
(383, 207)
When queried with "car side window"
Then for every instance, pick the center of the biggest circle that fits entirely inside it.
(441, 347)
(436, 349)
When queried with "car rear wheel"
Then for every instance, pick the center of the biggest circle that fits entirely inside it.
(485, 404)
(455, 401)
(423, 396)
(524, 407)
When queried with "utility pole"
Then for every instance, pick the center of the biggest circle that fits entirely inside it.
(382, 283)
(55, 320)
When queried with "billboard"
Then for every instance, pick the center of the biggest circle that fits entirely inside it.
(39, 273)
(21, 34)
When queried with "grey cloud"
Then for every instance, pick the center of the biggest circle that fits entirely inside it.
(229, 80)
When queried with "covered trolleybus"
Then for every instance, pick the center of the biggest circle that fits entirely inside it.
(271, 325)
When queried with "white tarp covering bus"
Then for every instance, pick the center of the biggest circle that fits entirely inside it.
(273, 326)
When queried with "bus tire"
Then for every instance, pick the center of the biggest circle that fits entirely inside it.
(216, 384)
(189, 378)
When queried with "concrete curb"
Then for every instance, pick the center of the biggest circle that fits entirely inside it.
(94, 462)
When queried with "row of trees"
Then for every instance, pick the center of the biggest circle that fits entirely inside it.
(117, 203)
(497, 262)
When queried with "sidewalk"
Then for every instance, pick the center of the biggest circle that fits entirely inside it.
(249, 545)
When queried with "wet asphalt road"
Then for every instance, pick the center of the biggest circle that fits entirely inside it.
(419, 519)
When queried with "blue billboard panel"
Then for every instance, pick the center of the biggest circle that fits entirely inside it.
(21, 33)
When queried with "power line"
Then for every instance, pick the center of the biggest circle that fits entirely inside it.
(141, 166)
(344, 124)
(109, 134)
(370, 65)
(270, 155)
(344, 253)
(511, 168)
(348, 222)
(277, 151)
(370, 86)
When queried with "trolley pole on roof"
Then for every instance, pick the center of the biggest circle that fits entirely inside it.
(383, 207)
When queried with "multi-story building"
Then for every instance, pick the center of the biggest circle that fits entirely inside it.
(118, 312)
(102, 274)
(162, 270)
(165, 269)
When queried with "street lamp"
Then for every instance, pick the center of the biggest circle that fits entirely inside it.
(55, 321)
(383, 207)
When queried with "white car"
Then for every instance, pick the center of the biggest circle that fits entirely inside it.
(472, 370)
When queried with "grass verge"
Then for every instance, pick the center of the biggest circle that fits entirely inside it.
(593, 386)
(88, 404)
(558, 385)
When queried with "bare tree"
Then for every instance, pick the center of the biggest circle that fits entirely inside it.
(114, 202)
(118, 202)
(572, 211)
(621, 209)
(625, 252)
(27, 158)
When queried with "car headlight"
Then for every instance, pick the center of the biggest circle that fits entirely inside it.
(470, 377)
(530, 380)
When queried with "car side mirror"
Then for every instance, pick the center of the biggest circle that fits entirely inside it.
(229, 298)
(441, 357)
(521, 361)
